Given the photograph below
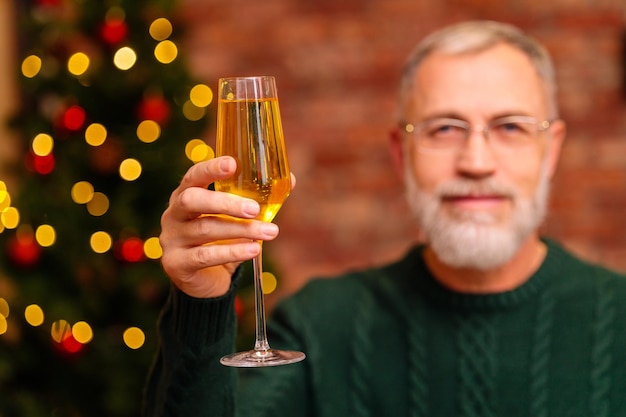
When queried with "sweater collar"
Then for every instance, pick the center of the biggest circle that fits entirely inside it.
(425, 285)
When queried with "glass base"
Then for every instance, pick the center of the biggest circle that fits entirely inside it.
(261, 358)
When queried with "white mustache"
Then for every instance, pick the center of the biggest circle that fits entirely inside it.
(483, 187)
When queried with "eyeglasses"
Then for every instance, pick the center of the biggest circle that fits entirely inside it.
(506, 133)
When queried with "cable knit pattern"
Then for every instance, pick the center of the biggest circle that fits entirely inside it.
(540, 356)
(601, 358)
(361, 353)
(476, 360)
(418, 389)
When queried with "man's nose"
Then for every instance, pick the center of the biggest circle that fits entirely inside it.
(476, 158)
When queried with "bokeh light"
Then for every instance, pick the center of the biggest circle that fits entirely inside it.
(152, 248)
(197, 150)
(132, 249)
(82, 332)
(148, 131)
(31, 65)
(34, 315)
(74, 118)
(130, 169)
(10, 217)
(42, 144)
(82, 192)
(44, 164)
(201, 95)
(160, 29)
(60, 330)
(268, 282)
(45, 235)
(192, 112)
(4, 325)
(4, 307)
(5, 199)
(134, 337)
(125, 58)
(78, 64)
(165, 52)
(100, 242)
(95, 134)
(98, 205)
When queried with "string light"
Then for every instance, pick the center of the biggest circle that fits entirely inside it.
(201, 95)
(130, 169)
(148, 131)
(268, 282)
(98, 205)
(82, 192)
(42, 144)
(95, 134)
(197, 150)
(59, 330)
(152, 248)
(124, 58)
(78, 64)
(45, 235)
(5, 199)
(31, 65)
(4, 307)
(160, 29)
(134, 337)
(34, 315)
(10, 217)
(82, 332)
(100, 242)
(166, 52)
(193, 112)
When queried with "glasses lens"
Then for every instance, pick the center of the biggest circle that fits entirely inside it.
(442, 134)
(513, 132)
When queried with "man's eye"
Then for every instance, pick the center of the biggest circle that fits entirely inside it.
(444, 130)
(514, 128)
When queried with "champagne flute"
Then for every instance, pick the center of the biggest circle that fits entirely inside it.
(249, 129)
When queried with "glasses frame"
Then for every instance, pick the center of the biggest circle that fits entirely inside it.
(415, 130)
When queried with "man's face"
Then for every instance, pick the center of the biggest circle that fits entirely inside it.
(478, 204)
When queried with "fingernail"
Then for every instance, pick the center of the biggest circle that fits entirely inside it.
(225, 164)
(250, 208)
(269, 230)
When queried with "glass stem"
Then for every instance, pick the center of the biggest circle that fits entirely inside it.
(261, 344)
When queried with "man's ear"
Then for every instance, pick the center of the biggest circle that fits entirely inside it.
(397, 151)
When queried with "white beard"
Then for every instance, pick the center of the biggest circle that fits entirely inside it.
(475, 240)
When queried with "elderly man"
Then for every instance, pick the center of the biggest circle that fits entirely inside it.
(486, 318)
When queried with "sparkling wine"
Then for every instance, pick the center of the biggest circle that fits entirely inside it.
(251, 132)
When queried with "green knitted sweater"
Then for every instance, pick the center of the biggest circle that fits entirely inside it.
(392, 342)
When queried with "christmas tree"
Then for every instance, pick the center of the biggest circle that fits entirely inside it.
(110, 120)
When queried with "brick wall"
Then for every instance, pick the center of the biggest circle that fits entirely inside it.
(337, 64)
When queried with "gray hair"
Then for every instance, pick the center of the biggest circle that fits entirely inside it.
(475, 36)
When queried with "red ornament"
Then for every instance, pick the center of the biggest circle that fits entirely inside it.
(131, 250)
(154, 107)
(43, 165)
(74, 118)
(70, 345)
(25, 252)
(113, 31)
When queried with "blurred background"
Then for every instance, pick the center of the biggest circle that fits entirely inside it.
(107, 103)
